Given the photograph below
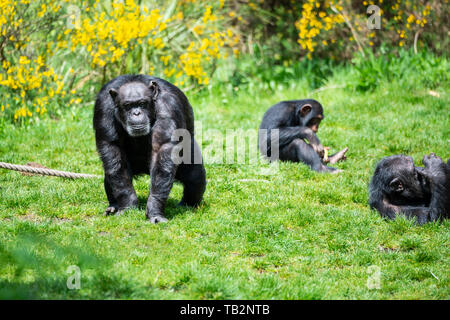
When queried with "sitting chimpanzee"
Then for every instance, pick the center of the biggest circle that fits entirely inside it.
(135, 118)
(400, 188)
(297, 121)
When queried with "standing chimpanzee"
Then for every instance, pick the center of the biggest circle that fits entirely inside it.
(296, 121)
(400, 188)
(135, 117)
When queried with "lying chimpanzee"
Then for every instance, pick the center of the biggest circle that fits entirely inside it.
(296, 121)
(135, 118)
(400, 188)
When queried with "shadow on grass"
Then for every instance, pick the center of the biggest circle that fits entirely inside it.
(173, 208)
(101, 286)
(38, 269)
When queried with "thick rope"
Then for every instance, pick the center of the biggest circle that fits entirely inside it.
(47, 172)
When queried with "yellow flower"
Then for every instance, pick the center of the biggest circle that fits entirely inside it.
(24, 60)
(158, 43)
(198, 29)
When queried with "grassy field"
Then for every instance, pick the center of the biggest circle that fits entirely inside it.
(293, 235)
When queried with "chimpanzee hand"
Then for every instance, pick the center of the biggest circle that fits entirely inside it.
(155, 208)
(154, 215)
(434, 167)
(315, 142)
(432, 161)
(113, 211)
(157, 219)
(319, 149)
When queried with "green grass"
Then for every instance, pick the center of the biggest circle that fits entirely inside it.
(293, 235)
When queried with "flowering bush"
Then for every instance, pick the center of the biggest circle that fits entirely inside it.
(180, 41)
(27, 82)
(49, 49)
(337, 28)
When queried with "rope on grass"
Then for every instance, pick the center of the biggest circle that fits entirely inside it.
(47, 172)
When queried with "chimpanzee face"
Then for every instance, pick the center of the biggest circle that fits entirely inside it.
(311, 114)
(404, 181)
(134, 104)
(314, 123)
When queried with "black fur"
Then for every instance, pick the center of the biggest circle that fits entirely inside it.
(127, 148)
(296, 120)
(398, 187)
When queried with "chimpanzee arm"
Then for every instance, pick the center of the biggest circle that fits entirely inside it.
(389, 210)
(435, 211)
(379, 200)
(438, 174)
(289, 134)
(439, 204)
(162, 169)
(118, 181)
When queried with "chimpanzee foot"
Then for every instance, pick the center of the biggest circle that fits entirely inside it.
(189, 203)
(338, 156)
(333, 170)
(113, 211)
(157, 219)
(325, 169)
(182, 203)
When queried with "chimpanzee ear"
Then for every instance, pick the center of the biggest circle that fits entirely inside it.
(154, 89)
(396, 185)
(305, 109)
(113, 93)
